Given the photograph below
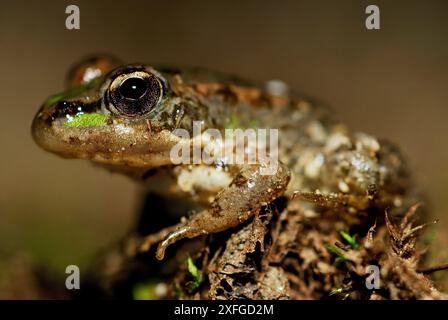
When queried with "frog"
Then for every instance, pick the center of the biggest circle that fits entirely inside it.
(126, 118)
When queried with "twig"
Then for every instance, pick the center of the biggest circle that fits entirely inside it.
(433, 269)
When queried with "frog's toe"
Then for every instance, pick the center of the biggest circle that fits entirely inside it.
(148, 241)
(173, 237)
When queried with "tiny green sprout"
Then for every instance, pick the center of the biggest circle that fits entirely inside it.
(178, 290)
(196, 275)
(233, 122)
(87, 120)
(338, 252)
(336, 291)
(254, 123)
(351, 240)
(340, 291)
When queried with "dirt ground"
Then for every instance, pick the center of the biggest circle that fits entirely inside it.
(288, 251)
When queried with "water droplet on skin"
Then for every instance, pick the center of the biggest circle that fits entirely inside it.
(277, 88)
(91, 74)
(250, 183)
(343, 187)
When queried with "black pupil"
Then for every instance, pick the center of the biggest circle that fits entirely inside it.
(133, 88)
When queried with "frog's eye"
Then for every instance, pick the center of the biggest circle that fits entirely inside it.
(135, 94)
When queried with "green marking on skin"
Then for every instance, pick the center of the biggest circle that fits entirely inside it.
(72, 93)
(65, 95)
(87, 120)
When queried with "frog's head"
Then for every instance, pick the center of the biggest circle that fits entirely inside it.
(119, 116)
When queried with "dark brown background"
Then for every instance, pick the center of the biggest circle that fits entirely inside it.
(391, 83)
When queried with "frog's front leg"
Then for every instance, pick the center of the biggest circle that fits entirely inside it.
(246, 194)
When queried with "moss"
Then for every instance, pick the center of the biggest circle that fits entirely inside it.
(233, 122)
(351, 240)
(338, 252)
(144, 291)
(195, 273)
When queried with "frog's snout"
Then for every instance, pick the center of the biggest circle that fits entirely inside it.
(47, 126)
(41, 130)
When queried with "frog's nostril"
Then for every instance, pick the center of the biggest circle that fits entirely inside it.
(65, 108)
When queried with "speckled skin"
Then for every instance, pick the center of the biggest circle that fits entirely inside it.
(320, 161)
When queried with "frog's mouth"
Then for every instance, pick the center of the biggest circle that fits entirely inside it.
(100, 137)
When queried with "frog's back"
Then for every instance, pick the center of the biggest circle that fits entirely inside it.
(303, 124)
(236, 102)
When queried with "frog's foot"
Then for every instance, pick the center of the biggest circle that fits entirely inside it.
(247, 193)
(334, 200)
